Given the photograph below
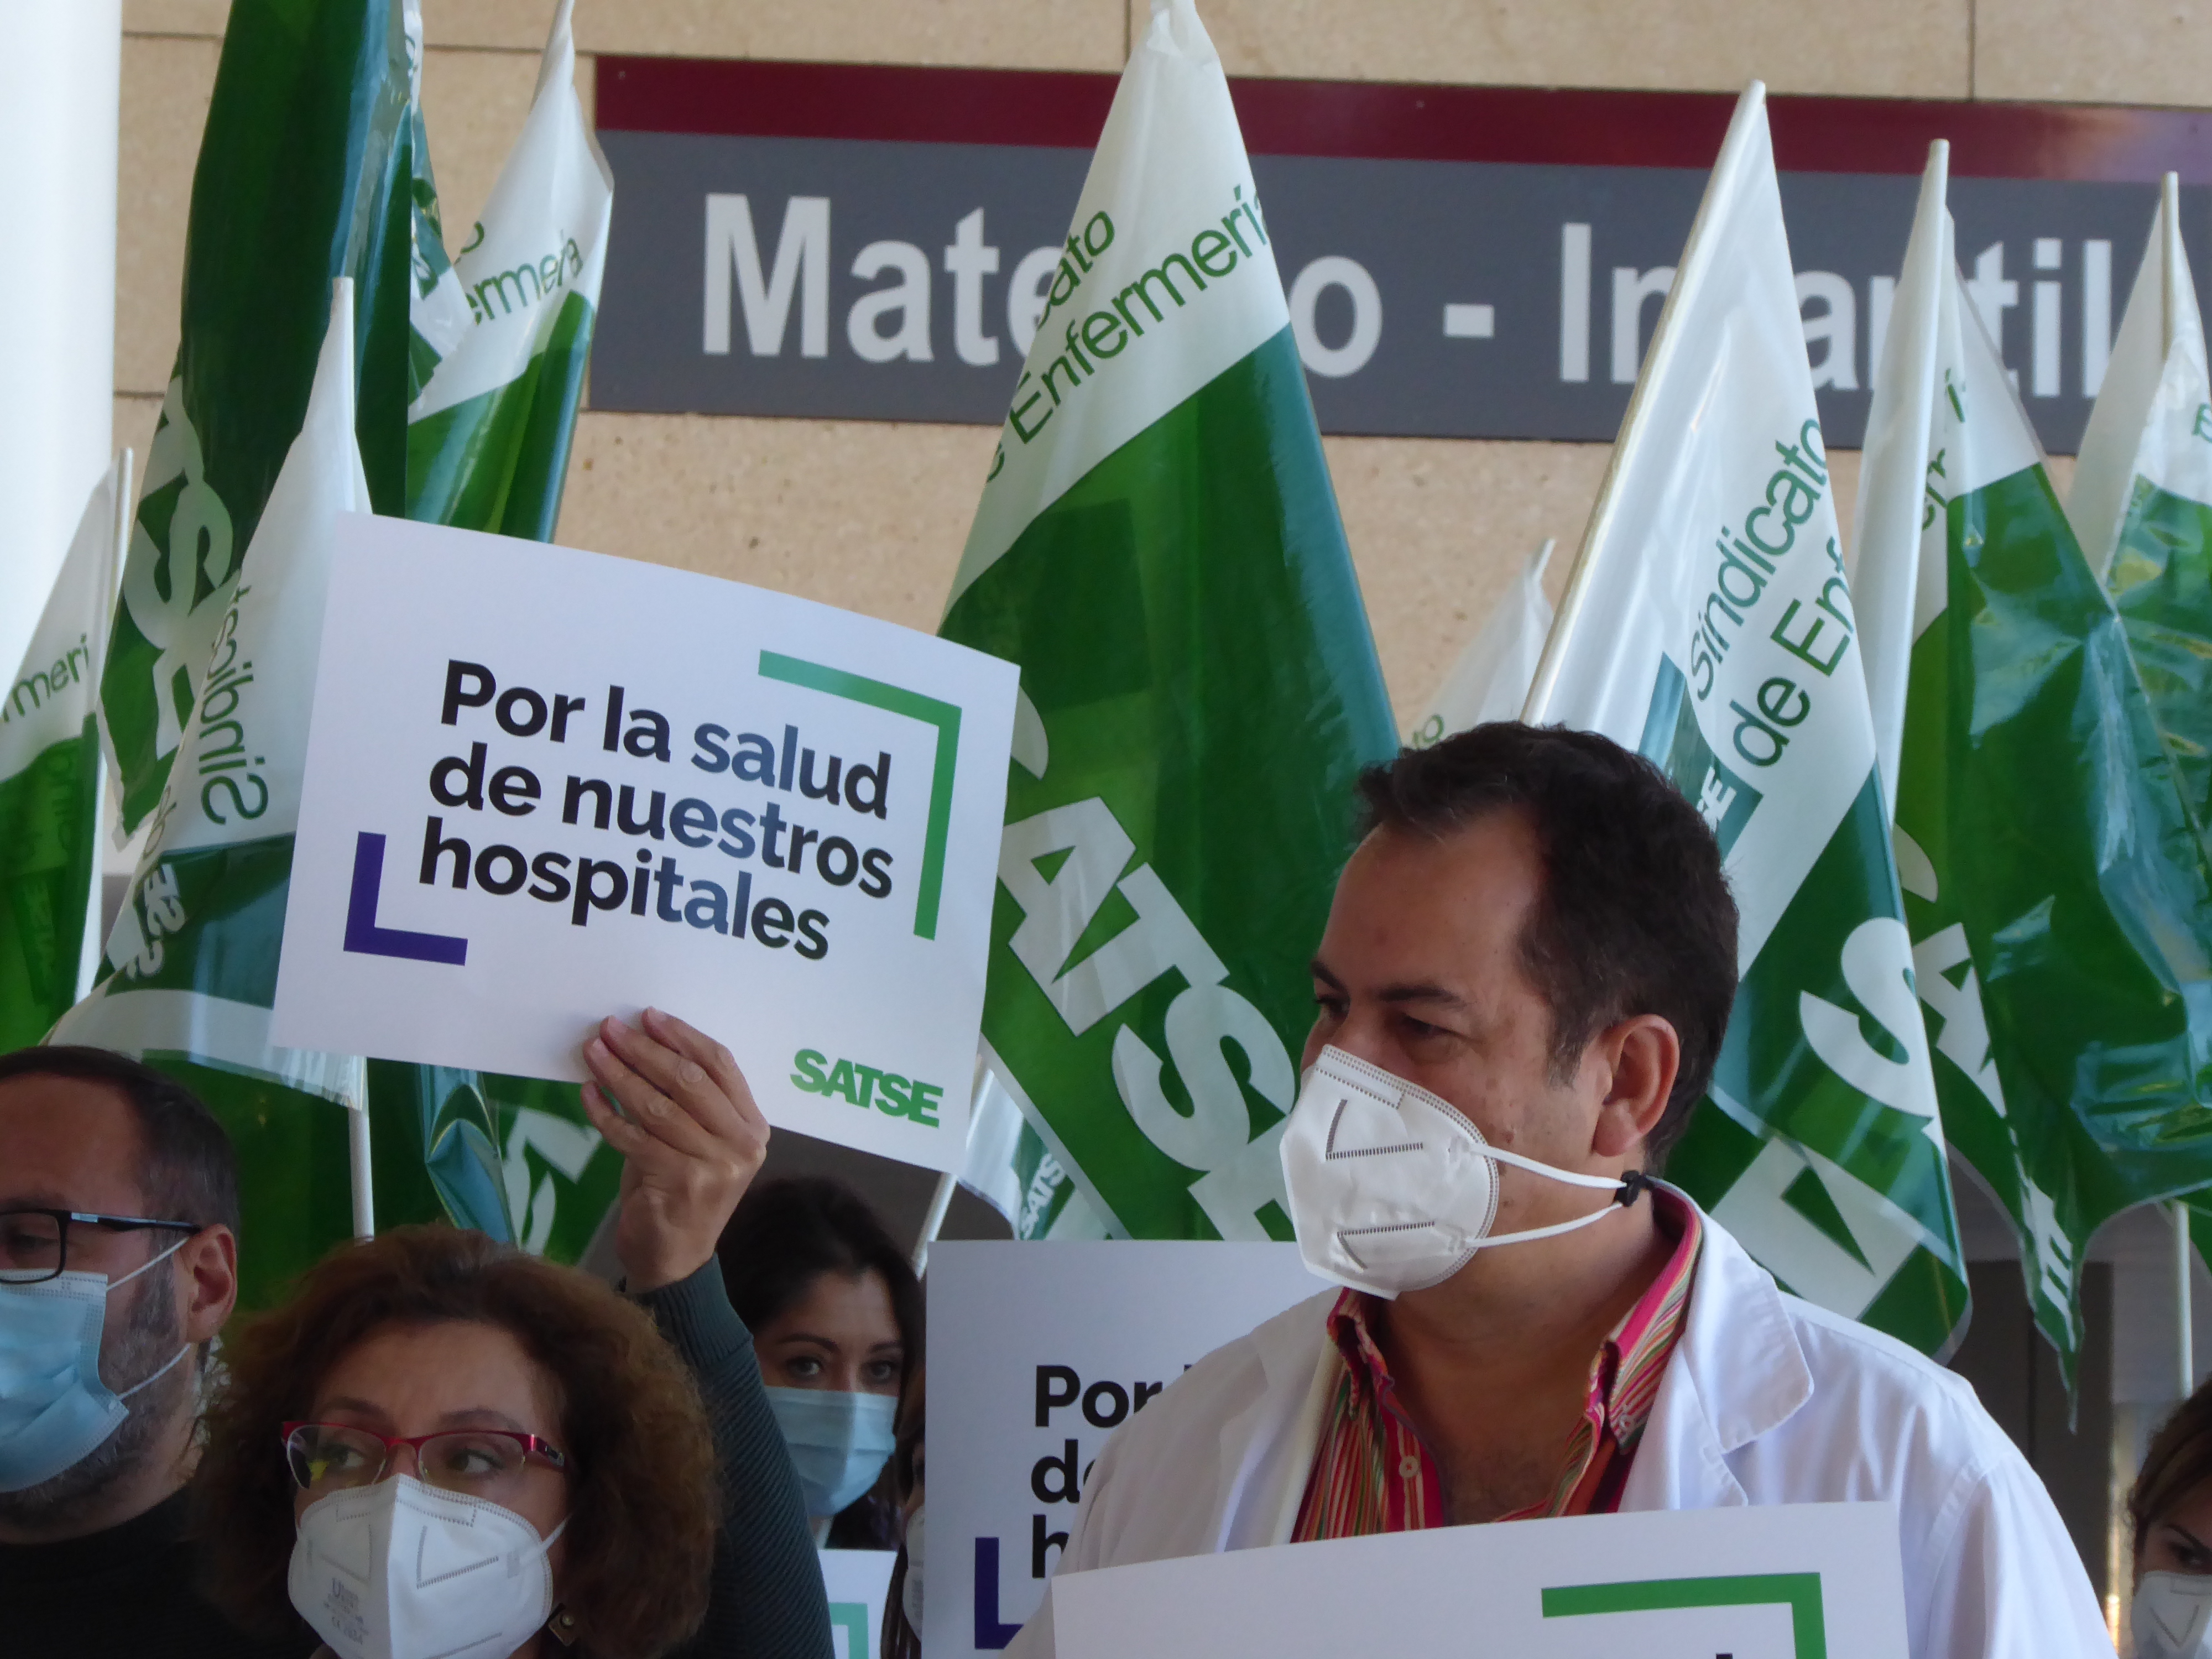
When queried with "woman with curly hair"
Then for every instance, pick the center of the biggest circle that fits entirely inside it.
(441, 1444)
(434, 1398)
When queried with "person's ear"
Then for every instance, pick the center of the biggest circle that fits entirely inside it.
(207, 1282)
(1641, 1055)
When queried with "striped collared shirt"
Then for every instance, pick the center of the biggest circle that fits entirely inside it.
(1372, 1473)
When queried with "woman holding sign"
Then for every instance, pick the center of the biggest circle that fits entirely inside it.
(433, 1396)
(444, 1446)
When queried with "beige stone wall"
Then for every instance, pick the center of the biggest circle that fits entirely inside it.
(872, 515)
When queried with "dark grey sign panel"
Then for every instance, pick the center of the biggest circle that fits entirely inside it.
(897, 280)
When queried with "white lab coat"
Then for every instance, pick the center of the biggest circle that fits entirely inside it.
(1766, 1400)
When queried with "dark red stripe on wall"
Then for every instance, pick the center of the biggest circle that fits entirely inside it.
(1388, 120)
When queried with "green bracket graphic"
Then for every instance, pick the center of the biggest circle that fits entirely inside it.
(1799, 1591)
(944, 716)
(852, 1617)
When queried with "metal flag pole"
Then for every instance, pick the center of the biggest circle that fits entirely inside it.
(2184, 1343)
(939, 1202)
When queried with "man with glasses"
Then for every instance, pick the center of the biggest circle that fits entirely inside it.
(119, 1264)
(119, 1252)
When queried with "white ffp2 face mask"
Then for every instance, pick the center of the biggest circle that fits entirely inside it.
(910, 1591)
(1392, 1188)
(402, 1571)
(2172, 1616)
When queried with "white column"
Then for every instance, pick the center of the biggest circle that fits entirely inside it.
(60, 94)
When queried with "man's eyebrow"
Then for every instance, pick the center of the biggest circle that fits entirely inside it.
(1417, 992)
(1402, 994)
(36, 1197)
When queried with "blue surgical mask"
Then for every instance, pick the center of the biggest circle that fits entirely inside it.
(54, 1409)
(839, 1442)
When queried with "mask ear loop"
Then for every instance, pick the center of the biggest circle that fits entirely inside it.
(1623, 1189)
(148, 1266)
(177, 1357)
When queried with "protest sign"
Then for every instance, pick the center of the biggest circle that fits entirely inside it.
(1037, 1354)
(575, 785)
(1807, 1580)
(857, 1584)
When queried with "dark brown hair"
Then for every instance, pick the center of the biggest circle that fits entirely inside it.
(790, 1232)
(189, 1171)
(787, 1234)
(643, 1505)
(1635, 916)
(2179, 1461)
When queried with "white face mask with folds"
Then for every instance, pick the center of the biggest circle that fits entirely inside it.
(2171, 1617)
(910, 1592)
(403, 1570)
(1392, 1188)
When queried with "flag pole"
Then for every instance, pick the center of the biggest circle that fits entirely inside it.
(2184, 1342)
(2172, 259)
(1696, 254)
(939, 1202)
(364, 1189)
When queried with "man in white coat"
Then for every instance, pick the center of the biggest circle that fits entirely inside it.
(1524, 982)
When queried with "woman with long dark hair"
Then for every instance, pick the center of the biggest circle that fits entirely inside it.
(836, 1313)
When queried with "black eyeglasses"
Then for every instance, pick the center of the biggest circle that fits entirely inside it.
(34, 1244)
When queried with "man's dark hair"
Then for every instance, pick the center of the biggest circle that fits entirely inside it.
(1635, 916)
(189, 1172)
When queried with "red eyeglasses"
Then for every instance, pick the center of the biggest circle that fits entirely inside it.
(327, 1457)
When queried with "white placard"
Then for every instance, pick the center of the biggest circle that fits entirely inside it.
(545, 786)
(857, 1584)
(1792, 1582)
(1037, 1353)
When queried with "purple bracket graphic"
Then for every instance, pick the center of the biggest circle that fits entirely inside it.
(989, 1633)
(364, 936)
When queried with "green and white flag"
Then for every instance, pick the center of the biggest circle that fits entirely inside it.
(301, 179)
(1159, 547)
(498, 348)
(1011, 1168)
(1708, 624)
(2141, 501)
(502, 334)
(2055, 886)
(1894, 509)
(1491, 678)
(191, 968)
(52, 783)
